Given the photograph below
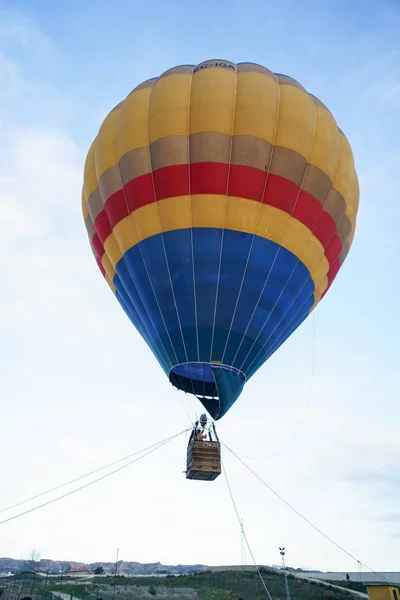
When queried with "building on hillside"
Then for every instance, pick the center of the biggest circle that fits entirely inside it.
(79, 572)
(378, 591)
(357, 576)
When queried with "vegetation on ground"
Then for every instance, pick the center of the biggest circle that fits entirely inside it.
(206, 585)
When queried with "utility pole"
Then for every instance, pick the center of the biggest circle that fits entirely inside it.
(33, 583)
(242, 544)
(13, 586)
(45, 582)
(115, 573)
(285, 575)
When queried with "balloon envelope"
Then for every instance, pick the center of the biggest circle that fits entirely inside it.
(220, 202)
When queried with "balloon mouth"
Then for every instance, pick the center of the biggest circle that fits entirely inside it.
(197, 378)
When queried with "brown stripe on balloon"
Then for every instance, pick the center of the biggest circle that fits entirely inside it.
(344, 228)
(145, 84)
(95, 204)
(210, 146)
(168, 151)
(109, 183)
(317, 183)
(255, 68)
(134, 164)
(352, 234)
(345, 250)
(335, 206)
(179, 70)
(96, 256)
(250, 151)
(286, 80)
(288, 164)
(90, 228)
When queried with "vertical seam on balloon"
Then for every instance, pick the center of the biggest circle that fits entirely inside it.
(341, 134)
(260, 207)
(345, 202)
(128, 311)
(288, 327)
(132, 221)
(323, 256)
(163, 241)
(278, 250)
(122, 258)
(294, 300)
(162, 235)
(276, 255)
(144, 327)
(216, 389)
(191, 234)
(144, 262)
(278, 342)
(281, 339)
(191, 223)
(226, 210)
(290, 276)
(256, 223)
(168, 359)
(159, 354)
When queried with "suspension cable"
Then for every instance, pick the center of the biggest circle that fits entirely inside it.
(58, 487)
(305, 409)
(152, 449)
(243, 532)
(305, 518)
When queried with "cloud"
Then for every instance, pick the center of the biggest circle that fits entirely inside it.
(82, 389)
(40, 224)
(39, 179)
(19, 30)
(390, 518)
(46, 257)
(388, 475)
(83, 452)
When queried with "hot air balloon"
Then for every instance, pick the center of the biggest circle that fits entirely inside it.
(220, 202)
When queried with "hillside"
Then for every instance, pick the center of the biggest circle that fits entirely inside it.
(54, 567)
(206, 585)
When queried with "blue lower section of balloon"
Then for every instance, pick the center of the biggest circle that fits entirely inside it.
(224, 384)
(199, 371)
(193, 304)
(229, 387)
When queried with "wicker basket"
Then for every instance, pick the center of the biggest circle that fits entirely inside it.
(203, 460)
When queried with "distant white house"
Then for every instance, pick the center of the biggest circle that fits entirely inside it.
(79, 572)
(360, 577)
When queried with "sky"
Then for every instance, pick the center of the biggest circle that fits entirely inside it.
(78, 386)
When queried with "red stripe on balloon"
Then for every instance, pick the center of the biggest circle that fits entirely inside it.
(99, 264)
(220, 178)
